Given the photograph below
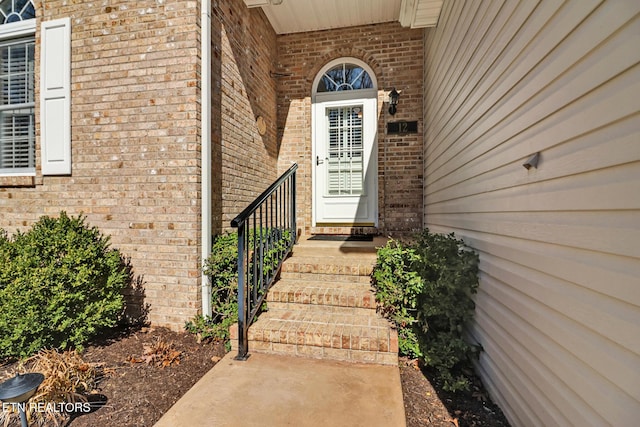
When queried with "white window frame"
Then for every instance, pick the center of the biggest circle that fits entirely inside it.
(15, 30)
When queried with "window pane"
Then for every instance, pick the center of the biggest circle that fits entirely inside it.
(345, 156)
(17, 120)
(17, 139)
(345, 77)
(16, 73)
(16, 10)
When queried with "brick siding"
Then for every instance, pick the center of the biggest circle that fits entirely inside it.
(244, 162)
(135, 143)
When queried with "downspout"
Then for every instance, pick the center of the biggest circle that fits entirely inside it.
(205, 135)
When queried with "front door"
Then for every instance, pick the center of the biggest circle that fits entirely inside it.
(345, 163)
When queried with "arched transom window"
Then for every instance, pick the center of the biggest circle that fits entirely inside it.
(344, 76)
(16, 10)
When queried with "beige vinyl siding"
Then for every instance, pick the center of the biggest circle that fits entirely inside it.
(558, 309)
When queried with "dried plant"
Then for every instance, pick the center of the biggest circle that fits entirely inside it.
(67, 380)
(159, 353)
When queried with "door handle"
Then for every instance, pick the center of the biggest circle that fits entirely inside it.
(319, 161)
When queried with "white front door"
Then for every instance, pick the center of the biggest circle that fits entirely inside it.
(345, 163)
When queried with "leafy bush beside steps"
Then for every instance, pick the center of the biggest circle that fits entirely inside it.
(426, 289)
(222, 269)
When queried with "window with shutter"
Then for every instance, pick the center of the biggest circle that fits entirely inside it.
(17, 96)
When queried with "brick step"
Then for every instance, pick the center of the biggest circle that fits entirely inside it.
(319, 333)
(311, 309)
(323, 306)
(300, 293)
(347, 266)
(339, 248)
(351, 251)
(325, 278)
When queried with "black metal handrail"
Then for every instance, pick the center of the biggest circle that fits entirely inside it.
(266, 234)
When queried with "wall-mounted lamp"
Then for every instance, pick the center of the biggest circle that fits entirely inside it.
(532, 161)
(393, 101)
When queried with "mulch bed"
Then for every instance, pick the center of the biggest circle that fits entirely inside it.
(427, 404)
(135, 393)
(138, 394)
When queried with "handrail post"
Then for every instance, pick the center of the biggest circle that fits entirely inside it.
(243, 344)
(293, 208)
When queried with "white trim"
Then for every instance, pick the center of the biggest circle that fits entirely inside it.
(320, 101)
(27, 172)
(408, 12)
(18, 29)
(256, 3)
(346, 94)
(9, 31)
(205, 138)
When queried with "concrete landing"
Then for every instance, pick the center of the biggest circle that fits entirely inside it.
(273, 391)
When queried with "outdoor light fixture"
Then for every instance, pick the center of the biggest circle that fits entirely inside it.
(19, 389)
(532, 161)
(393, 101)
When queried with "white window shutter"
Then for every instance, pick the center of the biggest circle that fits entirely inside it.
(55, 97)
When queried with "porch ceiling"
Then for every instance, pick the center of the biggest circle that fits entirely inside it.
(295, 16)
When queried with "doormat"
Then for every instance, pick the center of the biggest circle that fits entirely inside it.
(343, 237)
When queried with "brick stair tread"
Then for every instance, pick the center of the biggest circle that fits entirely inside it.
(317, 334)
(331, 259)
(277, 318)
(310, 284)
(325, 277)
(315, 352)
(333, 253)
(344, 294)
(319, 265)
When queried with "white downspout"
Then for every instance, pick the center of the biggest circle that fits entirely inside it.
(205, 135)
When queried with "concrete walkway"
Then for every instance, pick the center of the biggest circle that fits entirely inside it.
(270, 390)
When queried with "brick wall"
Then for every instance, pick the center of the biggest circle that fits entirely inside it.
(244, 51)
(395, 54)
(135, 135)
(135, 143)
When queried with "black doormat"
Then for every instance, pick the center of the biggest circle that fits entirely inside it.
(343, 237)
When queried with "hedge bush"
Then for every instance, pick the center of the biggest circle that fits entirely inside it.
(60, 284)
(426, 288)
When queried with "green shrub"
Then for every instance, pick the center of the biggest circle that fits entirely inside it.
(397, 289)
(222, 269)
(60, 284)
(426, 288)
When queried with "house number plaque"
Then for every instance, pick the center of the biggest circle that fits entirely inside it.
(402, 127)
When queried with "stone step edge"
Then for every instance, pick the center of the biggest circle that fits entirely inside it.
(329, 309)
(380, 339)
(314, 267)
(323, 339)
(325, 277)
(345, 355)
(325, 296)
(308, 280)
